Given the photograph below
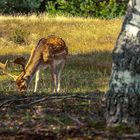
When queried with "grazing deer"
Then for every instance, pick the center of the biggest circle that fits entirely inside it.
(50, 52)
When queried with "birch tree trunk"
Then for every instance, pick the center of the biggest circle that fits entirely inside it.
(123, 97)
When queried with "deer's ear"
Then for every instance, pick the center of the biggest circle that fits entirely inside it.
(20, 61)
(3, 65)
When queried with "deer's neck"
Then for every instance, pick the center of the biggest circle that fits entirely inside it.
(33, 64)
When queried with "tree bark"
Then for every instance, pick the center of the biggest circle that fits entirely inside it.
(123, 97)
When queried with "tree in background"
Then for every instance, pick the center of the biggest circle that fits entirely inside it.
(42, 7)
(19, 6)
(123, 98)
(86, 8)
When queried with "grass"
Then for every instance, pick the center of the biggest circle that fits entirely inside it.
(90, 42)
(79, 75)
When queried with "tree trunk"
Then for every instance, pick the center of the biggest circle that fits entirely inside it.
(42, 7)
(123, 97)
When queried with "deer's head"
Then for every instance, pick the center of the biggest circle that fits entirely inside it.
(20, 81)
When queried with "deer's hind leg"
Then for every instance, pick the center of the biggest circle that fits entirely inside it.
(57, 68)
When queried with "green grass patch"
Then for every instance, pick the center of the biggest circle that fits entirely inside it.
(81, 74)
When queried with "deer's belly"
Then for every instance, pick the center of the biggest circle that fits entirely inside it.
(57, 62)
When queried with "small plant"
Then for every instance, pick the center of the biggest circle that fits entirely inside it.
(19, 36)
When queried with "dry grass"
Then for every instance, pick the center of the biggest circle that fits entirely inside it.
(81, 35)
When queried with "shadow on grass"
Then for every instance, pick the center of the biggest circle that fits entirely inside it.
(100, 61)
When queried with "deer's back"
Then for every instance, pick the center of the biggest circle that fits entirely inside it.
(54, 47)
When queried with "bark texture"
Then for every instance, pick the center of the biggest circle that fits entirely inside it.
(123, 97)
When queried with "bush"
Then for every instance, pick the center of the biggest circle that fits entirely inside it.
(18, 6)
(86, 8)
(19, 36)
(111, 9)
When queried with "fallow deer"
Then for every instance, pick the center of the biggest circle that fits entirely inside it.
(50, 52)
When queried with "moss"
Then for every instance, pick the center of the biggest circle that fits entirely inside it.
(100, 125)
(123, 128)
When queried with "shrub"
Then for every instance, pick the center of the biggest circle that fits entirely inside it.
(86, 8)
(19, 36)
(111, 9)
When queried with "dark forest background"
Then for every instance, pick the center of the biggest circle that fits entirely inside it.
(85, 8)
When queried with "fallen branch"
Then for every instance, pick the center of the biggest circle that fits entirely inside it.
(6, 102)
(75, 119)
(52, 98)
(12, 100)
(33, 101)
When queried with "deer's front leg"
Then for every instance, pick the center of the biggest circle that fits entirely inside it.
(36, 80)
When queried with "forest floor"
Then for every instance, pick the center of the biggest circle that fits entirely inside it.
(57, 116)
(40, 116)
